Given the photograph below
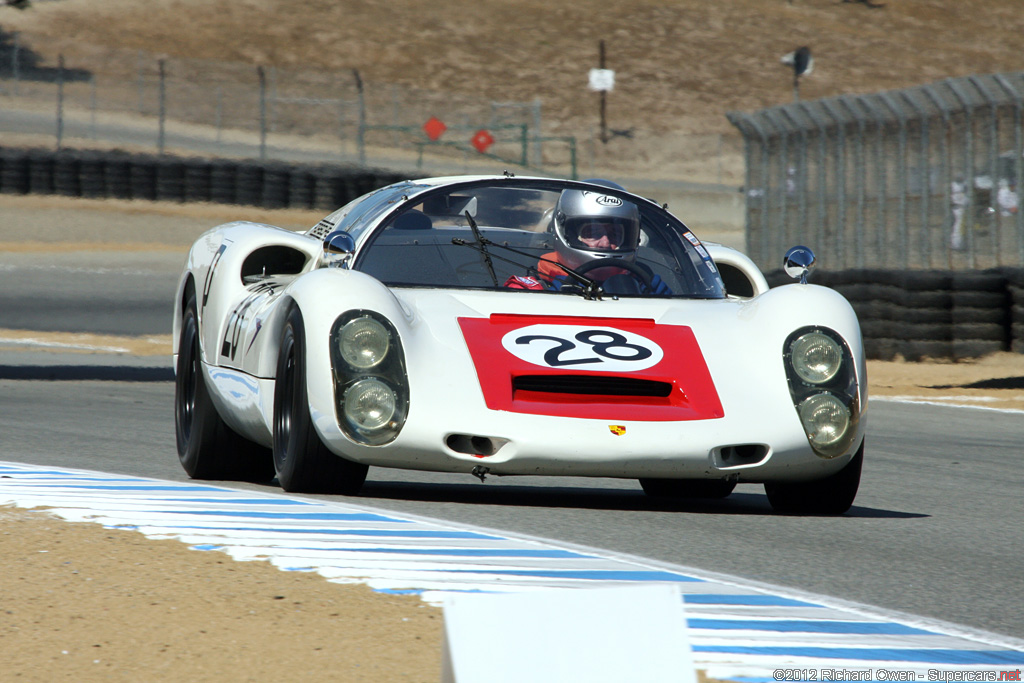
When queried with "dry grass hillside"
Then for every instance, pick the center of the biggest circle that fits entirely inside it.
(679, 64)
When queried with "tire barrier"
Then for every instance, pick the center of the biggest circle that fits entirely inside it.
(198, 180)
(40, 173)
(1015, 287)
(117, 176)
(122, 175)
(929, 313)
(66, 170)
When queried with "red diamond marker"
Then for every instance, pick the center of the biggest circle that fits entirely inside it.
(434, 128)
(482, 140)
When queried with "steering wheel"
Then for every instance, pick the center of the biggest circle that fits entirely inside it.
(611, 262)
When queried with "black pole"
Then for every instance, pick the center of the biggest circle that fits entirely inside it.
(263, 112)
(60, 100)
(604, 128)
(361, 128)
(162, 114)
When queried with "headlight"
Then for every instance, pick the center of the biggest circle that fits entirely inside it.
(826, 420)
(369, 404)
(823, 384)
(816, 357)
(371, 386)
(363, 342)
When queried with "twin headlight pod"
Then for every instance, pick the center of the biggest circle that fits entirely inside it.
(823, 384)
(370, 384)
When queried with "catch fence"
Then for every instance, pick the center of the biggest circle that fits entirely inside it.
(920, 178)
(235, 109)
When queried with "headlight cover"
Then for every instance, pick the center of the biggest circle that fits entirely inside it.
(371, 390)
(816, 357)
(363, 342)
(369, 404)
(823, 385)
(826, 420)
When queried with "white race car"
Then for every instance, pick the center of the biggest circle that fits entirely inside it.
(514, 326)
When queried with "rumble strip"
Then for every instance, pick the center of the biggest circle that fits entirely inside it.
(737, 629)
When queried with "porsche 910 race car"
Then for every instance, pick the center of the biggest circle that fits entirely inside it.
(514, 326)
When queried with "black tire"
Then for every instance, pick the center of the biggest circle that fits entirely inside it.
(303, 463)
(832, 495)
(688, 488)
(248, 184)
(979, 299)
(170, 180)
(222, 181)
(881, 348)
(208, 448)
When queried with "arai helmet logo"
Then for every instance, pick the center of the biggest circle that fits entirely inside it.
(608, 200)
(582, 347)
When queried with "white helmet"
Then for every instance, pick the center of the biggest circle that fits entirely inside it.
(582, 214)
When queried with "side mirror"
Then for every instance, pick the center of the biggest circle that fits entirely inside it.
(798, 262)
(338, 249)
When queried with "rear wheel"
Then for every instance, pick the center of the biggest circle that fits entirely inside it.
(302, 461)
(208, 448)
(829, 496)
(688, 488)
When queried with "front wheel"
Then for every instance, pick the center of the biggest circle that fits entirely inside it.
(208, 448)
(832, 495)
(303, 463)
(688, 488)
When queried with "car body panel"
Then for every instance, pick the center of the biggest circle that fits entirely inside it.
(721, 357)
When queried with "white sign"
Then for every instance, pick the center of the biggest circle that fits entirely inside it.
(579, 347)
(602, 79)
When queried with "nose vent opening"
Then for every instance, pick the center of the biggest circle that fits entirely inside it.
(743, 454)
(591, 385)
(480, 446)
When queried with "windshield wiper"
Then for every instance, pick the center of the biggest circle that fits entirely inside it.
(589, 288)
(483, 247)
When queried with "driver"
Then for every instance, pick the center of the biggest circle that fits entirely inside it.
(590, 226)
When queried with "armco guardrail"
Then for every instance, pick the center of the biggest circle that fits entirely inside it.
(921, 314)
(120, 175)
(912, 313)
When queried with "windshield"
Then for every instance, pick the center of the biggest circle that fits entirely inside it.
(541, 235)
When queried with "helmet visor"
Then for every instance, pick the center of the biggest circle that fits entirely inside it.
(606, 233)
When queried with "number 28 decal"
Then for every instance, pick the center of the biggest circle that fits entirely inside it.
(581, 347)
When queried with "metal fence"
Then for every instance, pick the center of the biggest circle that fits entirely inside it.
(235, 109)
(919, 178)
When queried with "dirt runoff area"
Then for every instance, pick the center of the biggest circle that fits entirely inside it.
(82, 603)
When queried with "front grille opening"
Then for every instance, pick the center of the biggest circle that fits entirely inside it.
(744, 454)
(591, 385)
(480, 446)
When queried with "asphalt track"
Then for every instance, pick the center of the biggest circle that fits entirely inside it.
(936, 530)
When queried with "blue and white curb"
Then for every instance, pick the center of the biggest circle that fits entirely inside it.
(736, 628)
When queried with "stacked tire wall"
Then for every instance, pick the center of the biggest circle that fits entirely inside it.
(119, 175)
(918, 314)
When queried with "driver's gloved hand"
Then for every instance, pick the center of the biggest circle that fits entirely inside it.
(658, 286)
